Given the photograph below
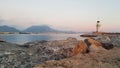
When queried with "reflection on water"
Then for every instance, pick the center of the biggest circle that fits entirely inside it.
(23, 38)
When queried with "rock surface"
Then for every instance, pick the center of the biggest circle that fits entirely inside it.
(93, 45)
(29, 54)
(111, 39)
(69, 53)
(81, 47)
(101, 59)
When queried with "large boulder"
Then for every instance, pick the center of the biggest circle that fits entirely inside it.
(115, 40)
(112, 39)
(94, 45)
(81, 47)
(107, 46)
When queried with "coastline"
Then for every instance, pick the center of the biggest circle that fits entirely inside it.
(69, 53)
(24, 38)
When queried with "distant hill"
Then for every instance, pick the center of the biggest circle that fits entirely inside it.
(8, 29)
(42, 28)
(34, 29)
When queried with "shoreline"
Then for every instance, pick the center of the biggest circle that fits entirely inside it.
(42, 54)
(24, 38)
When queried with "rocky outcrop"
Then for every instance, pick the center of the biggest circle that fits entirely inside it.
(93, 42)
(111, 39)
(95, 45)
(107, 46)
(41, 51)
(81, 47)
(90, 45)
(101, 59)
(32, 53)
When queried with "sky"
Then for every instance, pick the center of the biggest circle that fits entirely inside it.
(76, 15)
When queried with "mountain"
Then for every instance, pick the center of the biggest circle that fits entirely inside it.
(42, 28)
(34, 29)
(8, 29)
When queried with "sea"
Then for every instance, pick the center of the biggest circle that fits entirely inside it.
(24, 38)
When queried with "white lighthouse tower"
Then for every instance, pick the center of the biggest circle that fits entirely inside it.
(97, 26)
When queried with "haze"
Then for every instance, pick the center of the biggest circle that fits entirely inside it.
(77, 15)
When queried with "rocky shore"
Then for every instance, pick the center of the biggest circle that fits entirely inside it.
(100, 52)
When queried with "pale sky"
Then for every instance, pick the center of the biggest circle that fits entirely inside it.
(77, 15)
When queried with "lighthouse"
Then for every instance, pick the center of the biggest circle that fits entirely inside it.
(97, 26)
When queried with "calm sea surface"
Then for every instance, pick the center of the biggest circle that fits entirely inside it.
(24, 38)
